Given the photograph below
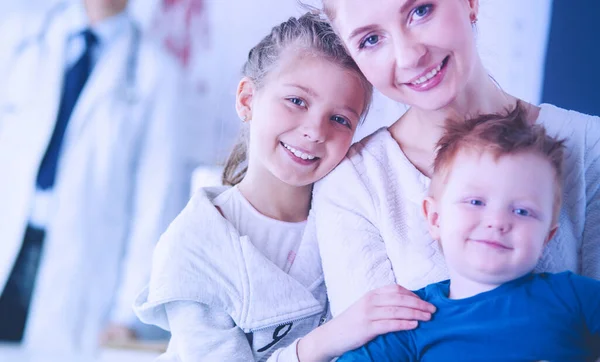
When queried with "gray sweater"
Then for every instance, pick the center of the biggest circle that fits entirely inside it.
(221, 298)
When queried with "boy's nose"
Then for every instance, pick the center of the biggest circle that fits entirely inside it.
(499, 220)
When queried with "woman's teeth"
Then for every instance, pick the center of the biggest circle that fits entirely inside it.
(299, 154)
(429, 75)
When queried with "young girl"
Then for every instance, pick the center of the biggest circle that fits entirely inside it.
(424, 54)
(236, 277)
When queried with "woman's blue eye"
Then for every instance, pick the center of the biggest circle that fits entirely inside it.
(297, 101)
(521, 212)
(369, 41)
(421, 11)
(476, 202)
(341, 120)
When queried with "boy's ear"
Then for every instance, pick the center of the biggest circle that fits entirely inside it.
(432, 216)
(243, 98)
(551, 234)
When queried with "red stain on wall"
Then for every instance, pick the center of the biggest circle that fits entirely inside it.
(184, 28)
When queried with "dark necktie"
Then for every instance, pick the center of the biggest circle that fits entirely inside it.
(15, 299)
(74, 81)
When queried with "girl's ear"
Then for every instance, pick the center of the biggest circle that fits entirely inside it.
(432, 216)
(243, 98)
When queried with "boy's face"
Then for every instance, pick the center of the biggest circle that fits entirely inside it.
(493, 217)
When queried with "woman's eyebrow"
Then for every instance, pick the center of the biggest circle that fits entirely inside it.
(404, 8)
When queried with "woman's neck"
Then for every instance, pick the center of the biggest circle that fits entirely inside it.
(419, 130)
(274, 198)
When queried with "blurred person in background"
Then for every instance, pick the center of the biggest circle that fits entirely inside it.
(92, 171)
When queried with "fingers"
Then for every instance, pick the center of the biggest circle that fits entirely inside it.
(401, 298)
(392, 288)
(397, 313)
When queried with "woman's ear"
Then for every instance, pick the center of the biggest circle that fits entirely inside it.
(243, 98)
(432, 216)
(474, 10)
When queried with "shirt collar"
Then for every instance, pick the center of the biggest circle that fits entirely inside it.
(106, 30)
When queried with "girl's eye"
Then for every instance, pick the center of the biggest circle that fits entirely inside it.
(297, 101)
(476, 202)
(341, 120)
(369, 41)
(421, 11)
(522, 212)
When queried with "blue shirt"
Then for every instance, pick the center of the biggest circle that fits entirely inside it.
(538, 317)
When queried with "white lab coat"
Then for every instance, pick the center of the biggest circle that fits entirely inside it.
(121, 177)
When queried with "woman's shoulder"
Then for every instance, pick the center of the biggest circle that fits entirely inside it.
(568, 123)
(369, 156)
(373, 168)
(580, 131)
(375, 145)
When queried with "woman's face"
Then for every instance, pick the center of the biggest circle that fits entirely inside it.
(417, 52)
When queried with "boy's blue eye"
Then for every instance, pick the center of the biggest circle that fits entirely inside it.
(341, 120)
(369, 41)
(521, 212)
(476, 202)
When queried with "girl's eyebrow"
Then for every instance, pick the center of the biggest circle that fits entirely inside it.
(305, 89)
(312, 93)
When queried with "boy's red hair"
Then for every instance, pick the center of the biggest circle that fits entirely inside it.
(501, 135)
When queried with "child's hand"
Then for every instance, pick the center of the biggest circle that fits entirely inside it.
(387, 309)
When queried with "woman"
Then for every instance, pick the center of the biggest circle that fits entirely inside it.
(368, 210)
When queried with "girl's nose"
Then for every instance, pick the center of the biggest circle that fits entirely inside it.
(315, 130)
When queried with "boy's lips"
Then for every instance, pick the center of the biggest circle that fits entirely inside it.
(493, 243)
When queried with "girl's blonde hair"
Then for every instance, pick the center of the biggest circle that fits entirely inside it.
(310, 32)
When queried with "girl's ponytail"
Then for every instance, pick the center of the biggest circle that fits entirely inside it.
(237, 162)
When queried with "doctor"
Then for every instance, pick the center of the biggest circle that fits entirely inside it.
(91, 171)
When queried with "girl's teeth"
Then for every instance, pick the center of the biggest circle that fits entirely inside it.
(299, 154)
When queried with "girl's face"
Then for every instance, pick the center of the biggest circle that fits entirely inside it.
(303, 117)
(417, 52)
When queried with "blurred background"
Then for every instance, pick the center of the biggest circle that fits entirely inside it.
(538, 50)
